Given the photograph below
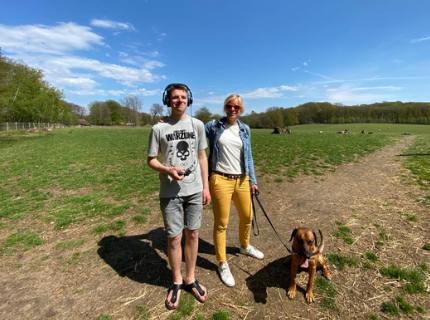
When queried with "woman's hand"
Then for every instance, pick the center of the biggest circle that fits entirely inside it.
(254, 188)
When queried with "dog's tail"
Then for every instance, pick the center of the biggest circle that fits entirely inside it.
(321, 246)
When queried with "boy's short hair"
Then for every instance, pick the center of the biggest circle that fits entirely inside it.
(176, 86)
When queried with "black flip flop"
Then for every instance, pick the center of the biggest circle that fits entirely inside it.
(175, 287)
(189, 288)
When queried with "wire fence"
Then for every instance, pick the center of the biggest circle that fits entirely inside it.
(8, 126)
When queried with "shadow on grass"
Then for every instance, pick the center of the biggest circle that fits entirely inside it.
(208, 248)
(10, 139)
(414, 155)
(276, 274)
(137, 257)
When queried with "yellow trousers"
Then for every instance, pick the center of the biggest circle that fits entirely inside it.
(223, 190)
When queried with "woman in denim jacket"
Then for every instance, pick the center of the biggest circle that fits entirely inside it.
(232, 178)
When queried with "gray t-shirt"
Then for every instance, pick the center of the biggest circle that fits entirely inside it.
(179, 143)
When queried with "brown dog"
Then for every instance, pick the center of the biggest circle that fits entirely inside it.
(306, 254)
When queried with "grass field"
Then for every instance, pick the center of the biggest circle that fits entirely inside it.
(100, 174)
(51, 182)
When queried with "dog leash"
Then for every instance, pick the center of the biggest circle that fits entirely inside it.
(254, 218)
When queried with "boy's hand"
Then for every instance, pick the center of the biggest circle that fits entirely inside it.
(206, 198)
(176, 173)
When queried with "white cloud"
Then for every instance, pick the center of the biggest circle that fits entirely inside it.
(116, 93)
(348, 98)
(142, 62)
(161, 35)
(153, 64)
(388, 88)
(272, 92)
(359, 95)
(288, 88)
(57, 40)
(212, 99)
(85, 92)
(53, 49)
(125, 75)
(420, 40)
(152, 54)
(109, 24)
(146, 93)
(320, 75)
(84, 83)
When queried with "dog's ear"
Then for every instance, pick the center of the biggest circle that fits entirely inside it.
(315, 237)
(293, 234)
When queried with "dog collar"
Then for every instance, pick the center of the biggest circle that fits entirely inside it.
(302, 255)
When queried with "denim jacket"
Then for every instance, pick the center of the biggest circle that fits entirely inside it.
(215, 128)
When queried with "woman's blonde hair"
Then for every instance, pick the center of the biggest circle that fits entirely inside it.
(237, 97)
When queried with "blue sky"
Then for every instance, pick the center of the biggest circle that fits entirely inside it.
(275, 53)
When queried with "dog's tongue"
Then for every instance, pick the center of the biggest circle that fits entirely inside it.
(305, 264)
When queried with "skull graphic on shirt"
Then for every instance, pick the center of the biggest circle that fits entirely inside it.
(182, 150)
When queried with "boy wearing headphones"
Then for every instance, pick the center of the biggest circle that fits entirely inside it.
(184, 188)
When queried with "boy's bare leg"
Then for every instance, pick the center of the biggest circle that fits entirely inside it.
(190, 250)
(174, 253)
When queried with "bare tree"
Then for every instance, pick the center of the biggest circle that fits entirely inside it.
(135, 105)
(80, 111)
(157, 110)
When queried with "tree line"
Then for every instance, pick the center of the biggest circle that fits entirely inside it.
(26, 97)
(328, 113)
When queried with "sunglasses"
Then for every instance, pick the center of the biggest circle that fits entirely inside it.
(229, 106)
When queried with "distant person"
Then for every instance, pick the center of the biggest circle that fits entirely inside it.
(232, 178)
(184, 189)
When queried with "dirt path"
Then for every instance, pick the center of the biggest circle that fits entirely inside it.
(112, 275)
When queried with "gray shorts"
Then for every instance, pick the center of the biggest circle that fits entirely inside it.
(182, 212)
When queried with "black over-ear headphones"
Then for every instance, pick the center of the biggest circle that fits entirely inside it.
(166, 98)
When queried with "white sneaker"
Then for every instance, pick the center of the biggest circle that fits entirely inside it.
(225, 274)
(252, 252)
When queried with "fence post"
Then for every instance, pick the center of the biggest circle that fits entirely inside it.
(7, 126)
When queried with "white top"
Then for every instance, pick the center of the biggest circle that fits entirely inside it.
(231, 151)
